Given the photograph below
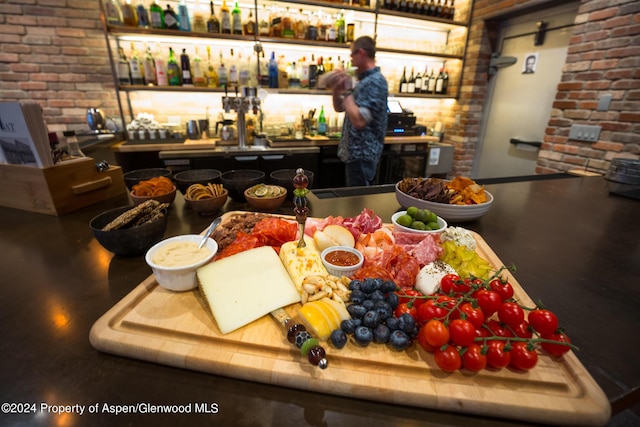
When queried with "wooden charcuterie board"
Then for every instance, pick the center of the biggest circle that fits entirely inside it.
(176, 329)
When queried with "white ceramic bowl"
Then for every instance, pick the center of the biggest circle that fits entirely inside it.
(338, 270)
(397, 227)
(451, 213)
(182, 278)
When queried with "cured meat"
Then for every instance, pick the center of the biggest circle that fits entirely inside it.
(274, 231)
(401, 267)
(366, 222)
(425, 248)
(243, 242)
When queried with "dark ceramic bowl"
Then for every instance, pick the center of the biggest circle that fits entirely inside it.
(164, 198)
(284, 178)
(236, 181)
(127, 241)
(187, 178)
(133, 177)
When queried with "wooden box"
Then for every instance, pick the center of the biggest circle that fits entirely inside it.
(59, 189)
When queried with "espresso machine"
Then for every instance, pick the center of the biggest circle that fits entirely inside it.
(242, 104)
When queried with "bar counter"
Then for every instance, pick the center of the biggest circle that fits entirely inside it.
(575, 246)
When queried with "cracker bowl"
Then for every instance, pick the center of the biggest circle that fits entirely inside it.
(174, 261)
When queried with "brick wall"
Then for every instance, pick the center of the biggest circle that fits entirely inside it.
(54, 52)
(602, 59)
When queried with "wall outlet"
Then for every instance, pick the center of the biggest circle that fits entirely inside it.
(589, 133)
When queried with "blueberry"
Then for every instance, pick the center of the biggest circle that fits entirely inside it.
(377, 295)
(356, 311)
(399, 340)
(354, 285)
(393, 323)
(388, 286)
(338, 338)
(371, 319)
(384, 309)
(363, 336)
(381, 334)
(407, 323)
(393, 300)
(368, 304)
(356, 323)
(348, 326)
(357, 296)
(368, 285)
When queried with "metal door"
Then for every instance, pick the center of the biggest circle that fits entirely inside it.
(521, 95)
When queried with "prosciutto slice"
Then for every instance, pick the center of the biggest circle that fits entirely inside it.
(425, 248)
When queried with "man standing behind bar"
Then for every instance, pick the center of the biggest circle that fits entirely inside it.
(365, 108)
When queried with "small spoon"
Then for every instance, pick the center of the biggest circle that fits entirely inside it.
(216, 222)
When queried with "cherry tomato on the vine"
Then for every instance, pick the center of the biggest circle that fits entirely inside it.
(498, 329)
(473, 359)
(428, 311)
(435, 333)
(462, 332)
(410, 295)
(497, 357)
(448, 283)
(489, 301)
(502, 287)
(543, 321)
(522, 357)
(522, 330)
(511, 314)
(448, 359)
(406, 307)
(559, 349)
(472, 314)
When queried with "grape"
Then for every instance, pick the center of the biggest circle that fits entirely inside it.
(363, 335)
(381, 334)
(399, 340)
(338, 338)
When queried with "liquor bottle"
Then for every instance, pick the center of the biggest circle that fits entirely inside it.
(445, 10)
(236, 19)
(425, 81)
(418, 83)
(143, 15)
(212, 74)
(411, 6)
(452, 11)
(322, 122)
(445, 82)
(199, 23)
(213, 24)
(273, 71)
(287, 25)
(432, 83)
(404, 84)
(320, 71)
(135, 66)
(157, 15)
(113, 12)
(129, 14)
(233, 70)
(321, 26)
(225, 18)
(350, 35)
(149, 68)
(171, 20)
(411, 84)
(438, 13)
(403, 6)
(276, 21)
(313, 72)
(263, 25)
(439, 83)
(418, 7)
(312, 27)
(249, 26)
(173, 70)
(183, 16)
(432, 8)
(185, 68)
(300, 26)
(223, 76)
(243, 71)
(341, 31)
(303, 73)
(124, 73)
(162, 79)
(388, 5)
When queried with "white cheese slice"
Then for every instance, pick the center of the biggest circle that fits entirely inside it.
(244, 287)
(429, 277)
(302, 262)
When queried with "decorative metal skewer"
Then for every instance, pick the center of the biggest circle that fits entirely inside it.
(300, 182)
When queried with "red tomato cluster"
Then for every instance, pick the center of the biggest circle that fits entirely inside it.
(474, 324)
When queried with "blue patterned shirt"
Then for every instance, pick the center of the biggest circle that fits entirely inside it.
(370, 95)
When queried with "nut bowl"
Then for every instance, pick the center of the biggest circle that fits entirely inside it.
(265, 197)
(164, 198)
(397, 227)
(208, 206)
(129, 241)
(450, 213)
(187, 178)
(182, 276)
(236, 181)
(341, 260)
(133, 177)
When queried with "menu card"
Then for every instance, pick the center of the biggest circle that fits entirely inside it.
(23, 135)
